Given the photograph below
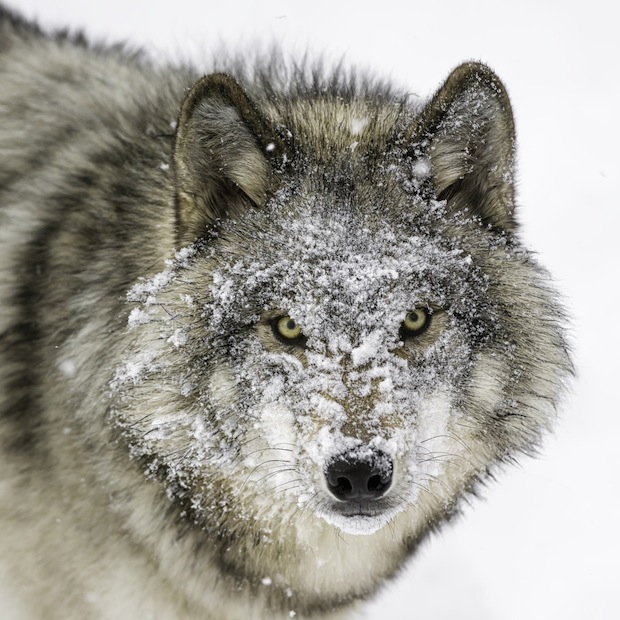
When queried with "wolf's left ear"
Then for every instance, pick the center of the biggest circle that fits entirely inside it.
(225, 155)
(467, 131)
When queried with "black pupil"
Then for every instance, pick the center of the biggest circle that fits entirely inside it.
(416, 316)
(291, 324)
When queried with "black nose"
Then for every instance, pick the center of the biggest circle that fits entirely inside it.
(359, 475)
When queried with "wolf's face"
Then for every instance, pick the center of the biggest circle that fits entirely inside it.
(317, 360)
(349, 358)
(326, 353)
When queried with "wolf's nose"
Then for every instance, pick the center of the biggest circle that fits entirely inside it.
(361, 475)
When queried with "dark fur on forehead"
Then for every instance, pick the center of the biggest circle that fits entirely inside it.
(299, 120)
(321, 106)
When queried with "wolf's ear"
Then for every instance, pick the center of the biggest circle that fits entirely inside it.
(225, 155)
(467, 131)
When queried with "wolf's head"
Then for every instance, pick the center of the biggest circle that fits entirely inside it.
(352, 335)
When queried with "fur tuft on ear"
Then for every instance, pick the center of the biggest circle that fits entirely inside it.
(467, 131)
(225, 154)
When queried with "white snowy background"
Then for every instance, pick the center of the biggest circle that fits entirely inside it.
(545, 542)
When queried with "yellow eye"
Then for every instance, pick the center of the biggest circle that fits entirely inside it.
(286, 329)
(416, 321)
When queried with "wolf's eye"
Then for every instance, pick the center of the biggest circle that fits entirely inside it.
(287, 330)
(416, 322)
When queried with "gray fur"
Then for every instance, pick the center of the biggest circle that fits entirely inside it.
(164, 449)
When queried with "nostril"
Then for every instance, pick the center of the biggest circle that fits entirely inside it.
(375, 483)
(358, 475)
(343, 485)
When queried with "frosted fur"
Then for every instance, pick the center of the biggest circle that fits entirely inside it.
(168, 449)
(303, 405)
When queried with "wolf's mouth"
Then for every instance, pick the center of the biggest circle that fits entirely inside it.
(360, 509)
(360, 518)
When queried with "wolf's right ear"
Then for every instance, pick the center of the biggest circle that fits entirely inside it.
(467, 132)
(224, 156)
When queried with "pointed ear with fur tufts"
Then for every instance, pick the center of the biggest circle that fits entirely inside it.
(467, 131)
(225, 156)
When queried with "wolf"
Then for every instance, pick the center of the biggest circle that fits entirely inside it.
(262, 330)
